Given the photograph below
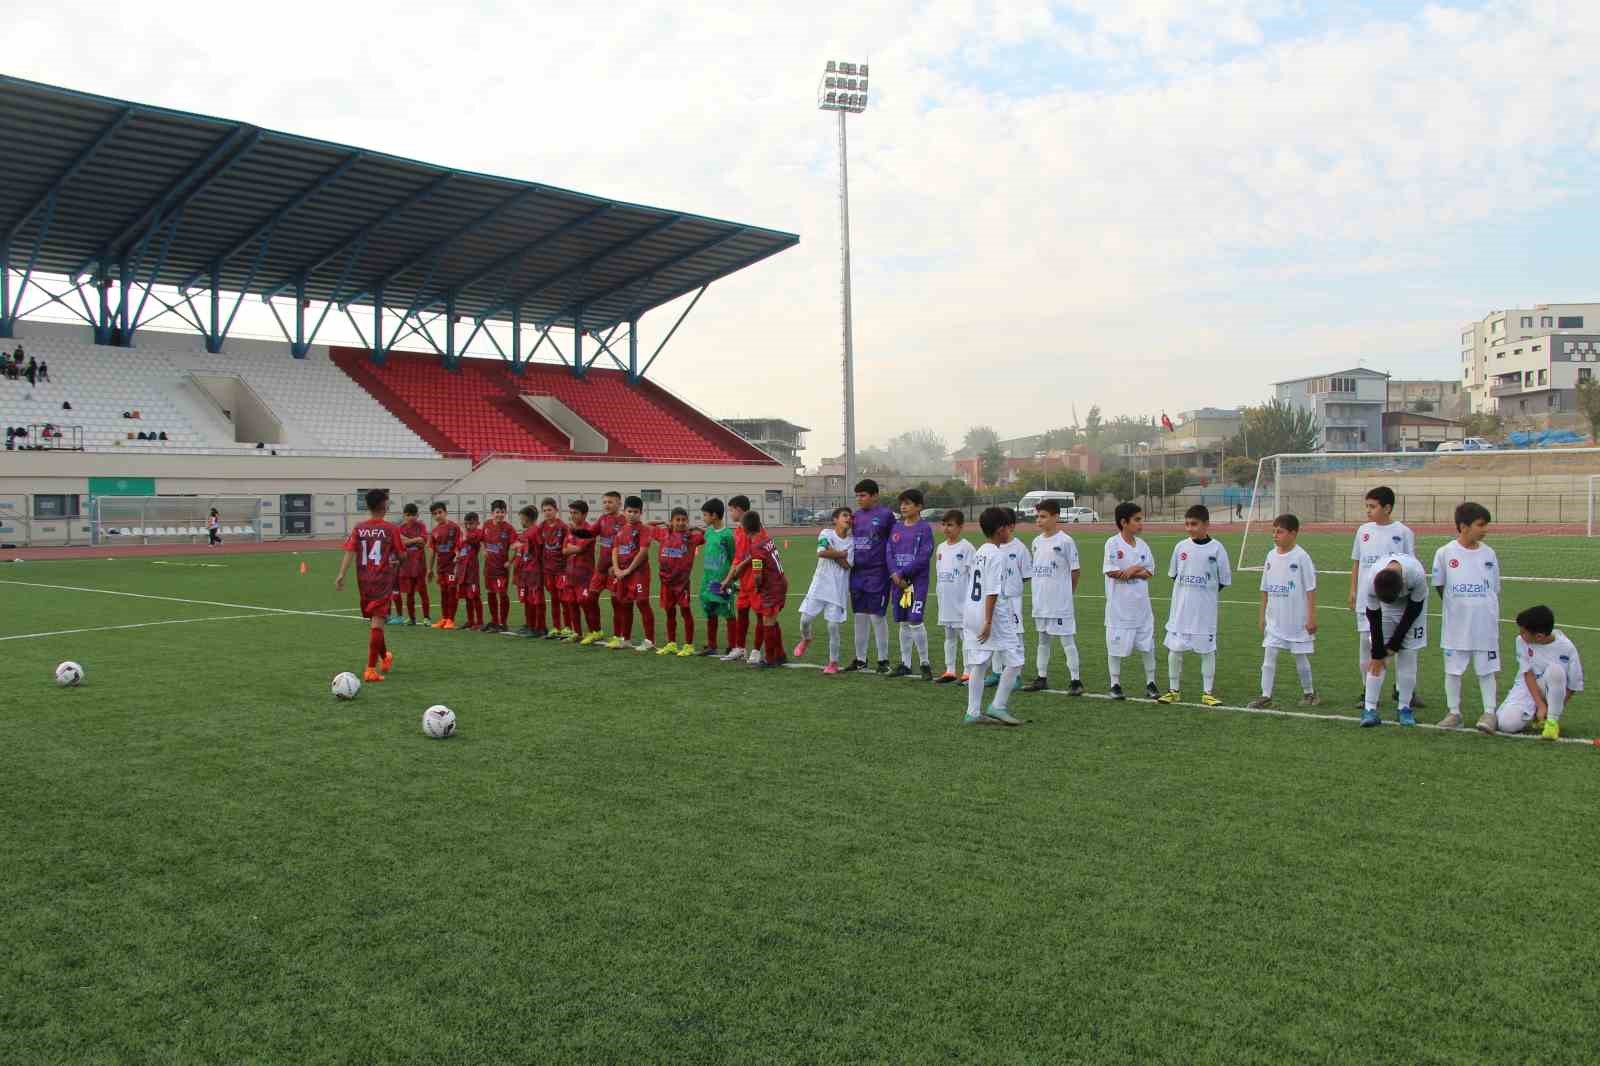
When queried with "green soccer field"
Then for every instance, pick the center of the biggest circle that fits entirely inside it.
(623, 858)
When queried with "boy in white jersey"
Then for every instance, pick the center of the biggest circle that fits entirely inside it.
(1393, 601)
(952, 568)
(1199, 572)
(1549, 675)
(829, 595)
(1055, 580)
(1288, 611)
(1130, 623)
(1019, 570)
(1380, 536)
(989, 626)
(1467, 574)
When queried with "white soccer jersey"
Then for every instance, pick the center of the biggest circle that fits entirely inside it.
(830, 582)
(1019, 569)
(1374, 542)
(1537, 657)
(1199, 573)
(952, 568)
(1055, 559)
(988, 578)
(1470, 579)
(1286, 577)
(1128, 602)
(1416, 588)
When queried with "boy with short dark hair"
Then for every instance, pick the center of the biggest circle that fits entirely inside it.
(1466, 572)
(829, 595)
(772, 589)
(630, 565)
(445, 538)
(579, 598)
(1551, 674)
(605, 532)
(952, 568)
(374, 544)
(1055, 584)
(1199, 571)
(869, 576)
(1379, 537)
(414, 564)
(553, 563)
(498, 536)
(467, 586)
(1288, 618)
(716, 560)
(910, 552)
(741, 583)
(528, 574)
(989, 626)
(1393, 599)
(676, 544)
(1130, 622)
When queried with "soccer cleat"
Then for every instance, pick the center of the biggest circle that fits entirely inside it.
(614, 644)
(1170, 696)
(644, 646)
(387, 662)
(669, 648)
(991, 680)
(1003, 716)
(883, 666)
(734, 655)
(1369, 718)
(594, 637)
(831, 668)
(411, 621)
(1116, 693)
(946, 678)
(1406, 717)
(1451, 721)
(426, 621)
(901, 671)
(1552, 730)
(442, 624)
(1076, 688)
(756, 657)
(396, 619)
(927, 672)
(524, 631)
(1310, 699)
(1488, 724)
(1361, 703)
(1150, 690)
(1038, 684)
(965, 678)
(1209, 700)
(371, 676)
(448, 623)
(978, 719)
(571, 638)
(686, 652)
(1260, 703)
(854, 666)
(1416, 701)
(801, 648)
(709, 651)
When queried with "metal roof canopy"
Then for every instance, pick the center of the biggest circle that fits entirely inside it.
(118, 194)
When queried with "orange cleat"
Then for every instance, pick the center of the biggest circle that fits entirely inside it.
(388, 661)
(371, 675)
(448, 623)
(440, 624)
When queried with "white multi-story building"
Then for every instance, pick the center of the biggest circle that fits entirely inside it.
(1539, 376)
(1486, 345)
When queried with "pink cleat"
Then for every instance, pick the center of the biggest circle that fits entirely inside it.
(831, 668)
(800, 649)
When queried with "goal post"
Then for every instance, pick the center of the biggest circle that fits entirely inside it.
(1594, 486)
(174, 519)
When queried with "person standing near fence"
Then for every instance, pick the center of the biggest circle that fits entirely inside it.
(214, 528)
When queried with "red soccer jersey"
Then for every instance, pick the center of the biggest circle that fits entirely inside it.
(378, 550)
(414, 563)
(497, 540)
(630, 541)
(446, 537)
(552, 538)
(676, 555)
(467, 558)
(741, 552)
(605, 534)
(764, 561)
(529, 561)
(580, 564)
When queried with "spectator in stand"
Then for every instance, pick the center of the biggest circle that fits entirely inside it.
(66, 405)
(32, 371)
(44, 370)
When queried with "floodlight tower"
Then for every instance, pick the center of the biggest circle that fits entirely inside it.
(843, 89)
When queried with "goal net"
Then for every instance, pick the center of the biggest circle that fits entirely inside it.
(1539, 500)
(174, 519)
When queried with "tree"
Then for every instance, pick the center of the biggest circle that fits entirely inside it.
(1275, 428)
(920, 451)
(1118, 484)
(1060, 439)
(1483, 424)
(992, 462)
(1092, 425)
(1589, 404)
(1239, 470)
(978, 439)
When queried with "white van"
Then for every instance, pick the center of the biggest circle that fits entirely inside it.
(1029, 507)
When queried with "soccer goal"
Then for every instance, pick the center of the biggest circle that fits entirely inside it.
(174, 519)
(1542, 502)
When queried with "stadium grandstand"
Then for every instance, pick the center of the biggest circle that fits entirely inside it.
(150, 228)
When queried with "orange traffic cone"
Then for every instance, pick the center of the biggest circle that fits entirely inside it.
(302, 568)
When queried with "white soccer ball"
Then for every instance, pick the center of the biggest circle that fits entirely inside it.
(439, 721)
(346, 685)
(68, 674)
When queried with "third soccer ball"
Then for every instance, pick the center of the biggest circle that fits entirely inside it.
(346, 685)
(68, 674)
(439, 721)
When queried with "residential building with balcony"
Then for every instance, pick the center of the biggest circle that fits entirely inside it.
(1487, 343)
(1539, 376)
(1198, 442)
(1348, 406)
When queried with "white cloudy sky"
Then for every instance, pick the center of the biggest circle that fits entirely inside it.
(1146, 204)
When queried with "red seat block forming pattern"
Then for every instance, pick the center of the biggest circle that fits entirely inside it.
(477, 410)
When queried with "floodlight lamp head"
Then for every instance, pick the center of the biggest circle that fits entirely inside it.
(843, 87)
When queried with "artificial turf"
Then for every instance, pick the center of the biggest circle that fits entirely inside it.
(624, 858)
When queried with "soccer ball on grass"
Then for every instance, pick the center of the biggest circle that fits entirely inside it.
(69, 674)
(439, 721)
(346, 685)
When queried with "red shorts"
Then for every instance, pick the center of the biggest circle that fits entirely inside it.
(447, 574)
(675, 596)
(410, 584)
(747, 599)
(374, 599)
(600, 582)
(468, 590)
(530, 593)
(577, 590)
(497, 582)
(635, 588)
(553, 584)
(773, 596)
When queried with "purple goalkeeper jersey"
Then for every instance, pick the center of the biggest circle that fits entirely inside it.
(870, 531)
(910, 551)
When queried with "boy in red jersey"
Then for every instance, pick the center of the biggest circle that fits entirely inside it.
(445, 538)
(605, 532)
(414, 564)
(772, 589)
(630, 565)
(467, 570)
(375, 544)
(579, 599)
(527, 568)
(553, 560)
(739, 629)
(676, 556)
(498, 536)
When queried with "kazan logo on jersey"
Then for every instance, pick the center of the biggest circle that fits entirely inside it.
(1294, 566)
(1488, 564)
(1395, 538)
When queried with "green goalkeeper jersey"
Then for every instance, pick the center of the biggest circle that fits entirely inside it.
(715, 558)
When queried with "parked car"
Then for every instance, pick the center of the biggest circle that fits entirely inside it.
(1080, 514)
(1468, 444)
(1027, 507)
(805, 516)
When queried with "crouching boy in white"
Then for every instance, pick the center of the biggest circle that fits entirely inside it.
(1549, 675)
(829, 595)
(1288, 610)
(1199, 572)
(1392, 600)
(989, 625)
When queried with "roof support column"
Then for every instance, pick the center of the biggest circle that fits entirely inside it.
(376, 351)
(577, 342)
(633, 350)
(516, 341)
(123, 335)
(5, 289)
(214, 333)
(102, 318)
(299, 346)
(451, 359)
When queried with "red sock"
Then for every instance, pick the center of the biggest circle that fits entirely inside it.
(688, 626)
(411, 605)
(672, 625)
(649, 618)
(591, 611)
(760, 643)
(447, 603)
(743, 631)
(505, 606)
(527, 614)
(538, 614)
(394, 603)
(616, 617)
(576, 617)
(711, 631)
(774, 642)
(425, 606)
(374, 642)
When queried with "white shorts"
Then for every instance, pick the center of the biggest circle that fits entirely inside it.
(1516, 710)
(1483, 662)
(1293, 647)
(973, 655)
(1017, 616)
(1199, 643)
(1056, 627)
(958, 626)
(832, 612)
(1124, 642)
(1416, 639)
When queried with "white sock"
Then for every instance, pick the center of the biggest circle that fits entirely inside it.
(1208, 670)
(905, 645)
(1269, 672)
(919, 640)
(952, 648)
(1174, 670)
(1008, 681)
(1374, 690)
(1405, 675)
(1150, 666)
(1452, 692)
(1114, 668)
(975, 695)
(1364, 652)
(833, 641)
(862, 626)
(1555, 691)
(1302, 666)
(1070, 647)
(1044, 655)
(880, 636)
(1489, 691)
(805, 625)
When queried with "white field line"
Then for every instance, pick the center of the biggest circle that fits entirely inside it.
(139, 625)
(1503, 577)
(181, 599)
